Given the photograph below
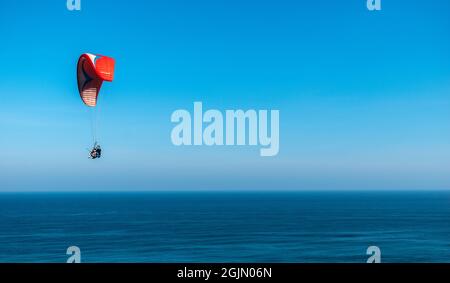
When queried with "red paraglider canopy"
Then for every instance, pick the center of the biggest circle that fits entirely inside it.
(92, 70)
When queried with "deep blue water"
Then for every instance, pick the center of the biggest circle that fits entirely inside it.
(225, 227)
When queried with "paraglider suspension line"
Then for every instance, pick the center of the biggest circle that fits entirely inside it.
(94, 124)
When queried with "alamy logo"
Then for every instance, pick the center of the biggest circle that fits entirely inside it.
(73, 5)
(374, 5)
(375, 254)
(75, 254)
(235, 125)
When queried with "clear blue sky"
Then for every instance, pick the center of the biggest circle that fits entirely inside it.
(364, 97)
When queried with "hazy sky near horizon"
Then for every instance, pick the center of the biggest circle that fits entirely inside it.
(364, 97)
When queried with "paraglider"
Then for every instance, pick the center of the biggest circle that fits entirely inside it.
(96, 152)
(92, 70)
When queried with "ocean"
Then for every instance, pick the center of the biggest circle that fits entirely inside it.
(311, 227)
